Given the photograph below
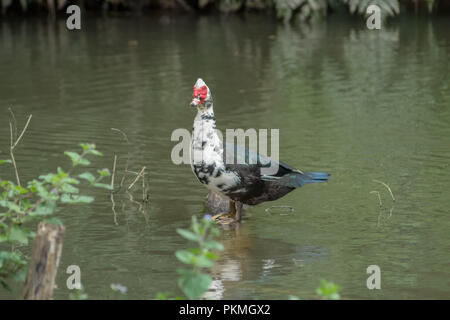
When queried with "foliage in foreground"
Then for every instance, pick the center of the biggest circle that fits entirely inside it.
(326, 291)
(36, 201)
(193, 282)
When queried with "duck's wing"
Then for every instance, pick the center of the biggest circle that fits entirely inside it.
(235, 155)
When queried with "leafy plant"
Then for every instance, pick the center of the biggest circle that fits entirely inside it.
(328, 290)
(35, 201)
(79, 294)
(193, 282)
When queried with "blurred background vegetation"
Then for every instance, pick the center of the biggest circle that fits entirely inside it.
(284, 10)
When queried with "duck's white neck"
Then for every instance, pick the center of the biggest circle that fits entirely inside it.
(206, 145)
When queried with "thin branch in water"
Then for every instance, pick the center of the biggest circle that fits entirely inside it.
(147, 189)
(143, 187)
(15, 143)
(15, 123)
(125, 171)
(381, 203)
(385, 184)
(133, 172)
(113, 173)
(23, 131)
(122, 133)
(125, 137)
(137, 178)
(114, 209)
(141, 208)
(379, 197)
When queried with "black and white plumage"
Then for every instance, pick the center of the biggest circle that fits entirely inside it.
(232, 170)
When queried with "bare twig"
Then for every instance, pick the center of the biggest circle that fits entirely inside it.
(15, 142)
(114, 208)
(379, 197)
(143, 187)
(23, 131)
(15, 122)
(122, 133)
(112, 190)
(381, 203)
(385, 184)
(113, 172)
(390, 211)
(137, 178)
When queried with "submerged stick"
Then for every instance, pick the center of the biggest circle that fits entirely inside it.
(137, 178)
(15, 122)
(113, 172)
(379, 197)
(15, 143)
(386, 185)
(122, 133)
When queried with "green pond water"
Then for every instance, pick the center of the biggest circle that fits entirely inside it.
(359, 104)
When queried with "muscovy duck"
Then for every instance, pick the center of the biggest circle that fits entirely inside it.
(237, 175)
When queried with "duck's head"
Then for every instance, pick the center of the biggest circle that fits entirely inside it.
(201, 96)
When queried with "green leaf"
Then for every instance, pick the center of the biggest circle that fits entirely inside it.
(5, 161)
(103, 185)
(188, 234)
(87, 176)
(328, 290)
(95, 152)
(203, 262)
(44, 209)
(90, 149)
(69, 198)
(18, 234)
(11, 206)
(68, 188)
(75, 157)
(211, 255)
(104, 172)
(87, 146)
(185, 256)
(84, 162)
(20, 190)
(162, 296)
(214, 245)
(83, 199)
(3, 238)
(193, 284)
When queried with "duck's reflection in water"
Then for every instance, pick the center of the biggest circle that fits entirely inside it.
(248, 259)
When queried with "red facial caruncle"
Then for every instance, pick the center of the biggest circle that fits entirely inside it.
(199, 95)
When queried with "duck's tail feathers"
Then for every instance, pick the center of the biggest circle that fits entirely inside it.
(298, 179)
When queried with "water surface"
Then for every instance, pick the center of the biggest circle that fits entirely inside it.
(359, 104)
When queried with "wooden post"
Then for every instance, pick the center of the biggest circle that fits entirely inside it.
(217, 203)
(46, 254)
